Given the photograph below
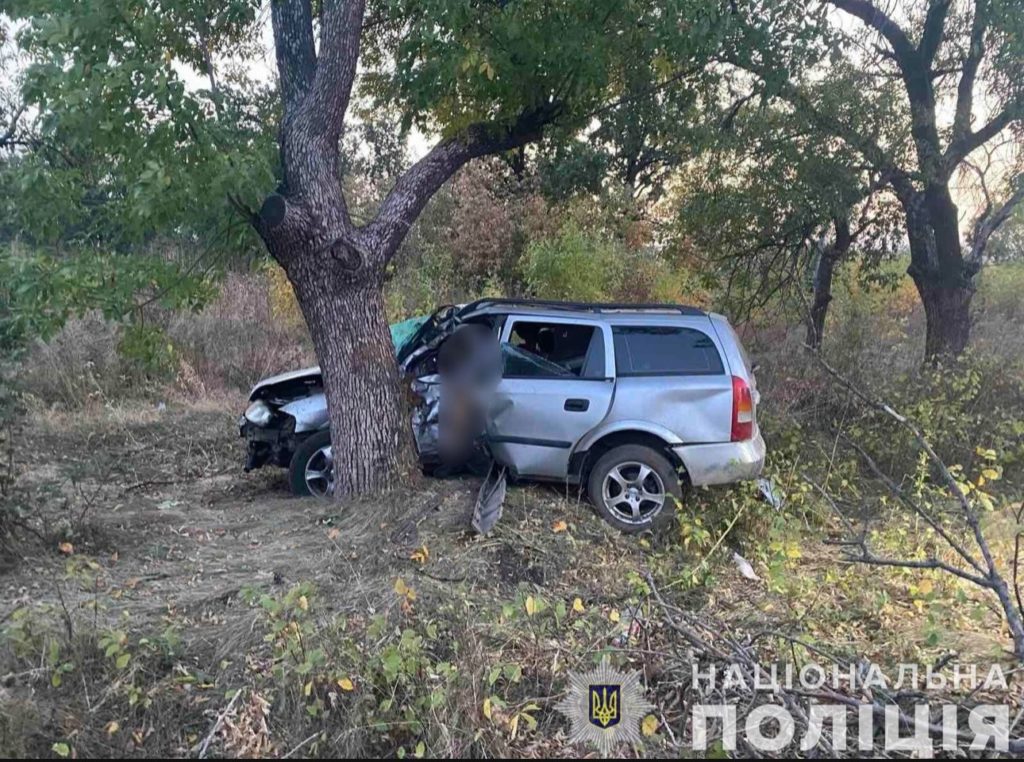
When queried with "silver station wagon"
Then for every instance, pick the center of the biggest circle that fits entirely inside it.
(633, 403)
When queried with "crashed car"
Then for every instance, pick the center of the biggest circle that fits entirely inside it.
(632, 403)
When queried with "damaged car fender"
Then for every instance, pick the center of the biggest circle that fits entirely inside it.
(310, 413)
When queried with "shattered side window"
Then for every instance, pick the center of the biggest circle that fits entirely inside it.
(553, 350)
(521, 364)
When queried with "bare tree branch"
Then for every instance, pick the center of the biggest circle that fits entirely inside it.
(988, 568)
(991, 220)
(903, 498)
(341, 28)
(876, 18)
(414, 188)
(8, 138)
(969, 141)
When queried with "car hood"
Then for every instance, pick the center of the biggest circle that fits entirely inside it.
(284, 378)
(407, 337)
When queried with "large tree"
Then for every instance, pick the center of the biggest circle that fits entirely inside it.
(480, 77)
(489, 77)
(954, 43)
(766, 202)
(953, 74)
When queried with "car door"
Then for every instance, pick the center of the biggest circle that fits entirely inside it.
(557, 385)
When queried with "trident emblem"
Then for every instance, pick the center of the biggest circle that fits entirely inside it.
(604, 705)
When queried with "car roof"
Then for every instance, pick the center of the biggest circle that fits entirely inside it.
(546, 308)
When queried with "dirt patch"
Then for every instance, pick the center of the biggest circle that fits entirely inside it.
(158, 499)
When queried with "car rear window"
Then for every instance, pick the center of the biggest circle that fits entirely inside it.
(664, 351)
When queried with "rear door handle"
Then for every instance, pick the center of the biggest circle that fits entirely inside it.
(577, 405)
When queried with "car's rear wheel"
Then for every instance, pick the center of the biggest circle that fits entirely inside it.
(311, 471)
(634, 488)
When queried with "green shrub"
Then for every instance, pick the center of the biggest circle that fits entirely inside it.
(579, 265)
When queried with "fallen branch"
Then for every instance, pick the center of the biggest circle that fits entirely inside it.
(216, 726)
(710, 640)
(987, 574)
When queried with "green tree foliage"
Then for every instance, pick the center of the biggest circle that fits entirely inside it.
(138, 132)
(764, 196)
(39, 292)
(912, 90)
(580, 265)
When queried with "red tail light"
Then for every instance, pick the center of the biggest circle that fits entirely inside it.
(742, 410)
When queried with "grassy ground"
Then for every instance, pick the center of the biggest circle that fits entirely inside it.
(156, 601)
(158, 581)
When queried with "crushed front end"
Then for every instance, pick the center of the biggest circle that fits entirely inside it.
(283, 410)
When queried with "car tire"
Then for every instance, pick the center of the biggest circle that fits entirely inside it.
(627, 501)
(308, 454)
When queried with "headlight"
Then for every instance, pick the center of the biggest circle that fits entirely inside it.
(258, 413)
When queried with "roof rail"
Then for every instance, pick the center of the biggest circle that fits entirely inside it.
(479, 304)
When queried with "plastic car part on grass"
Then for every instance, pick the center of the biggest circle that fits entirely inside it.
(490, 500)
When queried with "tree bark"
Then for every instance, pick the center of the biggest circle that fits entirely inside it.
(824, 270)
(371, 437)
(943, 278)
(947, 309)
(339, 293)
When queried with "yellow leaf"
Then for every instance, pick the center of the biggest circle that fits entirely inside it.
(614, 615)
(577, 606)
(531, 605)
(991, 474)
(559, 526)
(308, 688)
(346, 685)
(650, 725)
(112, 727)
(400, 586)
(487, 708)
(926, 587)
(303, 603)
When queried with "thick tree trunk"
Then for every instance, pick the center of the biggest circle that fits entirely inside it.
(944, 280)
(947, 309)
(823, 272)
(371, 439)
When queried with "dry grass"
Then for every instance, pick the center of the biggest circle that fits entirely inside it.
(251, 331)
(79, 366)
(222, 584)
(197, 565)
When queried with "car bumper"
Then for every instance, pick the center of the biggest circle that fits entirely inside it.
(724, 463)
(267, 444)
